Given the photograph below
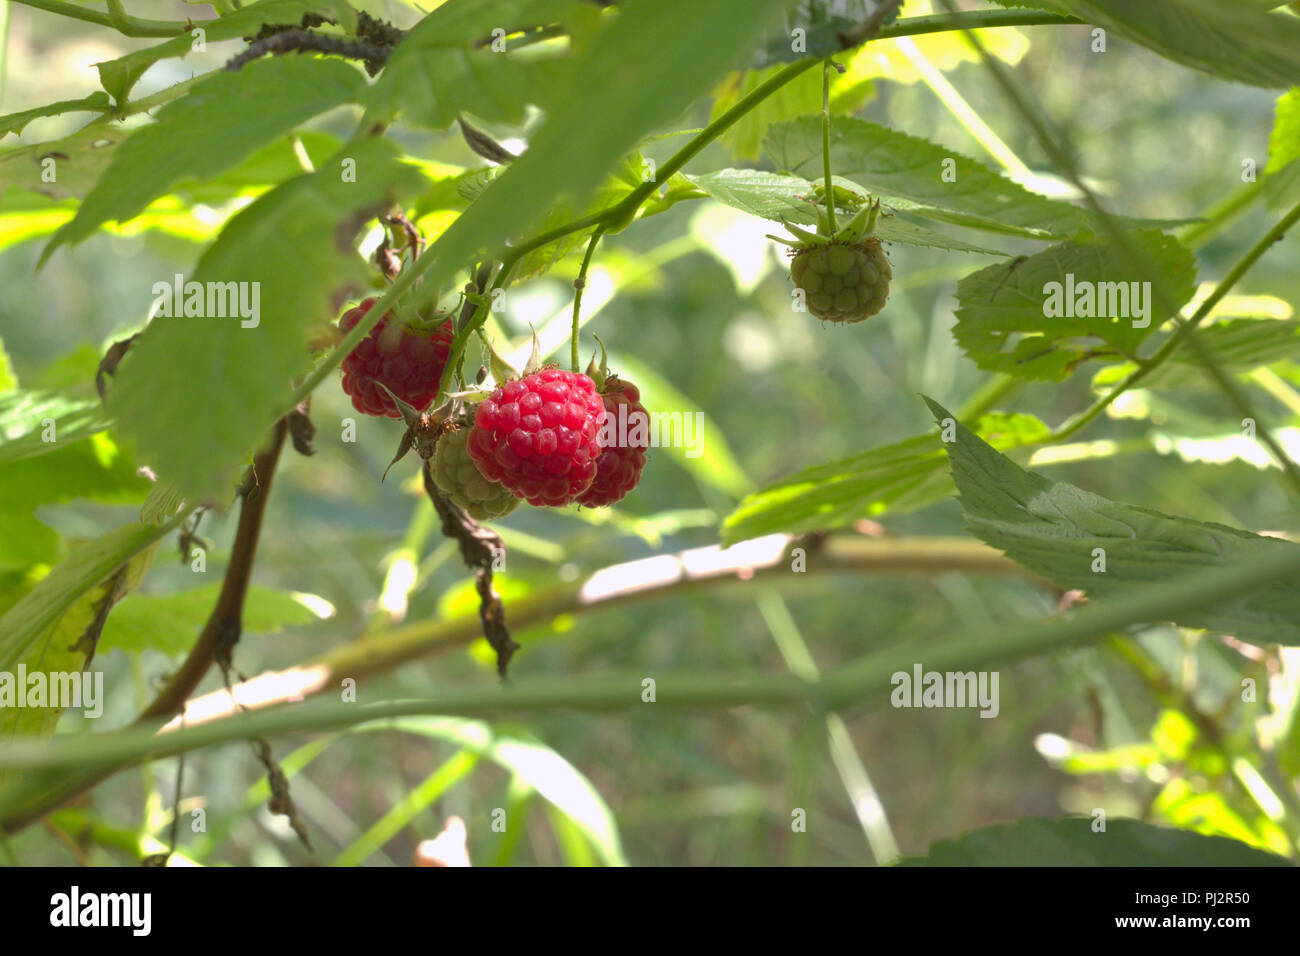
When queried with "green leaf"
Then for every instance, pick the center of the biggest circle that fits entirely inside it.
(24, 541)
(710, 460)
(1281, 183)
(1073, 842)
(1040, 317)
(85, 566)
(96, 102)
(263, 168)
(1235, 345)
(893, 479)
(66, 647)
(904, 169)
(161, 504)
(776, 197)
(120, 75)
(36, 423)
(170, 623)
(190, 415)
(1235, 41)
(8, 380)
(213, 127)
(445, 65)
(626, 177)
(1080, 540)
(1284, 142)
(95, 468)
(63, 167)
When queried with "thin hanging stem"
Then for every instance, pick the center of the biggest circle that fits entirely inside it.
(579, 284)
(826, 144)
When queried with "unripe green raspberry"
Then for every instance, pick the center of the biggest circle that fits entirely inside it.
(457, 477)
(843, 282)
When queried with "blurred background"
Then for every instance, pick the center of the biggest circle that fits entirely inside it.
(694, 305)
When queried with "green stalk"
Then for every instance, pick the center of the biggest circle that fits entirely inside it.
(127, 26)
(848, 685)
(826, 145)
(579, 285)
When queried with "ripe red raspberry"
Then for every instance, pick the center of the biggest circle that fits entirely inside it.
(843, 282)
(624, 439)
(540, 436)
(408, 361)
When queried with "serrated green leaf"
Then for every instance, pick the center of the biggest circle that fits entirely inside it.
(16, 122)
(1234, 41)
(891, 228)
(266, 166)
(1039, 317)
(889, 479)
(85, 567)
(1061, 532)
(174, 393)
(1074, 842)
(1235, 345)
(443, 67)
(120, 75)
(161, 504)
(626, 177)
(34, 423)
(94, 468)
(775, 197)
(211, 128)
(903, 169)
(66, 648)
(170, 623)
(63, 167)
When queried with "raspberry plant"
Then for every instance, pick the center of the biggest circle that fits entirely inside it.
(350, 219)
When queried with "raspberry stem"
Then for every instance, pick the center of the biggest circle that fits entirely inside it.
(826, 145)
(579, 284)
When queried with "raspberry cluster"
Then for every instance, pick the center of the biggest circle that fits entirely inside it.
(409, 362)
(539, 436)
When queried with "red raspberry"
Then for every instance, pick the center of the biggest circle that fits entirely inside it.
(540, 436)
(625, 438)
(408, 362)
